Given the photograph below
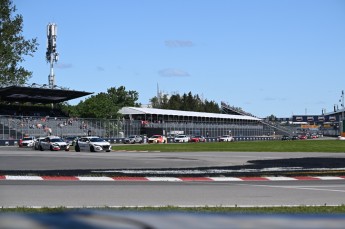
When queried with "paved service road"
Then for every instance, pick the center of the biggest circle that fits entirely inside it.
(92, 194)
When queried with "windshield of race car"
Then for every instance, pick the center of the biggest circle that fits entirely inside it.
(56, 140)
(96, 140)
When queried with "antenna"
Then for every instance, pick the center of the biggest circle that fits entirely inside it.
(51, 54)
(159, 95)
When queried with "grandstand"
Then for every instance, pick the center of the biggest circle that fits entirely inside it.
(15, 127)
(328, 124)
(211, 125)
(268, 126)
(29, 110)
(19, 117)
(38, 94)
(30, 113)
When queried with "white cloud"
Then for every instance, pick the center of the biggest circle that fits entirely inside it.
(100, 69)
(179, 43)
(270, 99)
(173, 72)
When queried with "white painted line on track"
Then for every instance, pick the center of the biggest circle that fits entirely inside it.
(95, 178)
(281, 178)
(23, 177)
(330, 178)
(225, 179)
(164, 179)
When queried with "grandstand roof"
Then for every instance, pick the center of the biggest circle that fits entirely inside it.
(154, 111)
(39, 95)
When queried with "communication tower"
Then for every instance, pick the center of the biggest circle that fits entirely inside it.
(51, 54)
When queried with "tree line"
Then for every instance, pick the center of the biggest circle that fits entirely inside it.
(107, 104)
(185, 102)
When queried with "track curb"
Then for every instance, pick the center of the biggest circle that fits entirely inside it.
(170, 179)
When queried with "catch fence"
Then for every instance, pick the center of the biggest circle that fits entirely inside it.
(15, 127)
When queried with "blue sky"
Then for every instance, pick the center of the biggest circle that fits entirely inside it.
(278, 57)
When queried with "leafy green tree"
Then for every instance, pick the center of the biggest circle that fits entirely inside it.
(13, 46)
(186, 102)
(164, 102)
(104, 105)
(122, 98)
(155, 102)
(175, 102)
(272, 118)
(212, 107)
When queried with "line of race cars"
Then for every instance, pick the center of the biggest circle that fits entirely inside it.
(55, 143)
(98, 144)
(181, 138)
(132, 139)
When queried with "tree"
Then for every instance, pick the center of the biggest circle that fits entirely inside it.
(104, 105)
(175, 102)
(155, 102)
(13, 46)
(272, 118)
(186, 102)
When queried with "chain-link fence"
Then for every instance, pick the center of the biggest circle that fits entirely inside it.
(15, 127)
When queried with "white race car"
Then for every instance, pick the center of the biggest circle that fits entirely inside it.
(226, 138)
(37, 143)
(341, 138)
(53, 143)
(27, 142)
(181, 138)
(92, 144)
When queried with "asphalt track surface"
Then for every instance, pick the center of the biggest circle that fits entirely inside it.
(106, 194)
(14, 193)
(15, 161)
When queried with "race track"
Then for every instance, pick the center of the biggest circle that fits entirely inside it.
(116, 194)
(52, 193)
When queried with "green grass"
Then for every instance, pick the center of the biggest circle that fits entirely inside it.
(242, 210)
(248, 146)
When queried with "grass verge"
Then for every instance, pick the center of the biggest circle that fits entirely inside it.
(334, 146)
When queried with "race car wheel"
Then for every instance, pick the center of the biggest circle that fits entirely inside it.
(92, 149)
